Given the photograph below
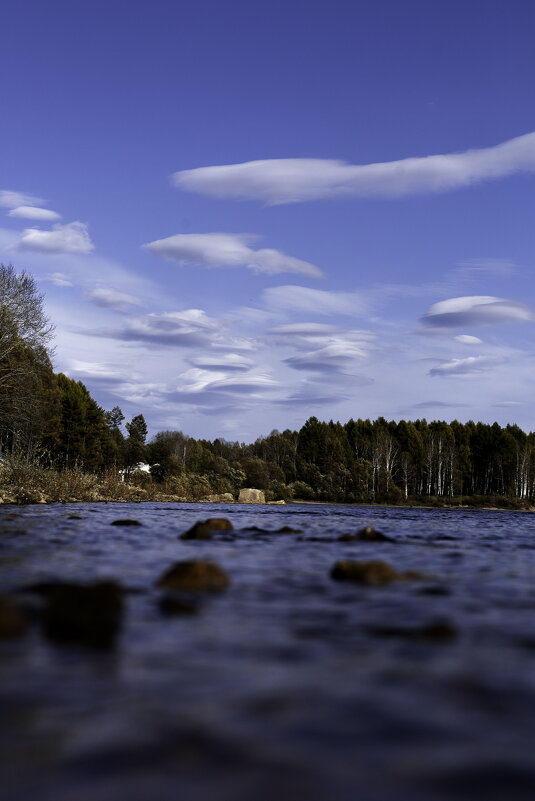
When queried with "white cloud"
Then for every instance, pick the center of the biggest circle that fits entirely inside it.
(338, 354)
(434, 404)
(34, 213)
(111, 299)
(466, 339)
(225, 361)
(228, 250)
(507, 404)
(292, 180)
(475, 310)
(189, 328)
(70, 238)
(59, 279)
(11, 200)
(473, 365)
(98, 371)
(319, 301)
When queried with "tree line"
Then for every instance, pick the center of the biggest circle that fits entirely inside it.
(54, 418)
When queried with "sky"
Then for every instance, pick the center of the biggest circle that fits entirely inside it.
(245, 213)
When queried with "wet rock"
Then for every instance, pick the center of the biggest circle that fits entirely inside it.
(375, 572)
(174, 604)
(83, 614)
(366, 534)
(75, 517)
(276, 503)
(198, 531)
(126, 523)
(203, 529)
(438, 630)
(219, 524)
(281, 530)
(251, 496)
(194, 576)
(13, 618)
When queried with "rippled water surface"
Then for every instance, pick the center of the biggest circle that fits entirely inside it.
(288, 685)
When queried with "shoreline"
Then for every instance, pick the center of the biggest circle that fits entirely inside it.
(40, 499)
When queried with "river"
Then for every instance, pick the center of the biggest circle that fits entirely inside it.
(287, 684)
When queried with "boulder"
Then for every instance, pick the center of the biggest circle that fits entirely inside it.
(13, 619)
(198, 531)
(366, 534)
(375, 572)
(219, 524)
(251, 496)
(83, 614)
(194, 576)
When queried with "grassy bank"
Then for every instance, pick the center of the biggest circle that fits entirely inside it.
(29, 482)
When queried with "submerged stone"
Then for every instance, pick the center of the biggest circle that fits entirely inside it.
(174, 604)
(219, 524)
(202, 530)
(126, 523)
(438, 630)
(13, 618)
(198, 531)
(366, 534)
(194, 576)
(83, 614)
(375, 572)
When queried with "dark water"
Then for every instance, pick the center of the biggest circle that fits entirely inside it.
(288, 685)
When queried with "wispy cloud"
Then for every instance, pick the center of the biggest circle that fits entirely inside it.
(475, 310)
(228, 250)
(318, 301)
(466, 339)
(59, 279)
(189, 329)
(70, 238)
(472, 365)
(310, 395)
(434, 404)
(277, 181)
(34, 213)
(112, 299)
(216, 362)
(98, 372)
(11, 200)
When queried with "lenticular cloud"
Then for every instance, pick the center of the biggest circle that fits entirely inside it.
(276, 181)
(228, 250)
(475, 310)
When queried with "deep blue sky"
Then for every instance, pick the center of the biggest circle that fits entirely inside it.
(103, 102)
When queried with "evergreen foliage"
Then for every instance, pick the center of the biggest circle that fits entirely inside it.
(357, 462)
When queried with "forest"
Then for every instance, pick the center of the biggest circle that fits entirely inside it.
(52, 419)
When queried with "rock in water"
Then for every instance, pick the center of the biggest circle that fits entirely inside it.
(251, 496)
(375, 572)
(83, 614)
(366, 534)
(194, 576)
(219, 524)
(13, 620)
(198, 531)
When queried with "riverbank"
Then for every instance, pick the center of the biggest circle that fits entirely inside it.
(24, 484)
